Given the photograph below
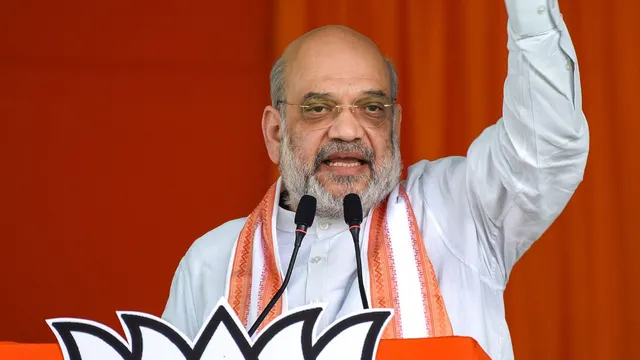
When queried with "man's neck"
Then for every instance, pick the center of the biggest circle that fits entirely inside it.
(282, 202)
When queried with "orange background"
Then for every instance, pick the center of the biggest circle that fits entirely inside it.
(129, 129)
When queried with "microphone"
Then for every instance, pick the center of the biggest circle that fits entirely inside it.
(353, 218)
(304, 219)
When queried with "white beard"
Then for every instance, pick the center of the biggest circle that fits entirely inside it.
(299, 178)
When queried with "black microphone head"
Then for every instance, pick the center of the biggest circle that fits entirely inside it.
(352, 209)
(306, 211)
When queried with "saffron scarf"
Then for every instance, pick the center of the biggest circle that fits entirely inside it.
(397, 271)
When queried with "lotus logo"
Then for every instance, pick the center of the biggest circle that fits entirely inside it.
(290, 336)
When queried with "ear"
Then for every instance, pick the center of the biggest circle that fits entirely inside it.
(398, 109)
(272, 132)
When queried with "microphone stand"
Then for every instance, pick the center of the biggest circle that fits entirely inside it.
(355, 234)
(300, 233)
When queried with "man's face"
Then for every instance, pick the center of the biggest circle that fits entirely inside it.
(328, 154)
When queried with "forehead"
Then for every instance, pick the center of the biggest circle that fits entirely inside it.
(340, 66)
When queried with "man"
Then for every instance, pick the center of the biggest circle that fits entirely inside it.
(437, 247)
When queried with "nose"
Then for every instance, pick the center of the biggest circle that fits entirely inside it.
(346, 127)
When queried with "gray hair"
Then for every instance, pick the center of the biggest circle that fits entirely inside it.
(277, 82)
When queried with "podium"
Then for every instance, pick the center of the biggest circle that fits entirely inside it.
(454, 347)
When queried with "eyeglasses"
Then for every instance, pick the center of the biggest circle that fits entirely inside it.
(369, 111)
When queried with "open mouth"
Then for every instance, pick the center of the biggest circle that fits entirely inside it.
(345, 160)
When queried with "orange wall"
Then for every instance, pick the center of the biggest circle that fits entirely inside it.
(126, 132)
(131, 126)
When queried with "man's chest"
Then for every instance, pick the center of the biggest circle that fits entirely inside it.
(324, 271)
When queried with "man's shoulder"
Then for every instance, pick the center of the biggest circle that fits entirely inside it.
(216, 244)
(425, 170)
(440, 185)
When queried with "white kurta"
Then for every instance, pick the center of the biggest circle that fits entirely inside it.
(477, 214)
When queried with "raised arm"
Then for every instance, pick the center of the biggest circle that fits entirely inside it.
(521, 172)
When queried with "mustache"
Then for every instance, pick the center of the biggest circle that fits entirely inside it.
(334, 146)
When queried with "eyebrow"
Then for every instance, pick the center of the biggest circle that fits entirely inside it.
(312, 94)
(379, 93)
